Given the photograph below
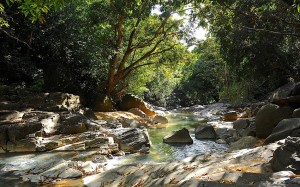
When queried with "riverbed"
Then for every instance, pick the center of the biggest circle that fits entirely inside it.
(12, 165)
(161, 152)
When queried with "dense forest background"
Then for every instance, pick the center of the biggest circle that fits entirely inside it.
(102, 48)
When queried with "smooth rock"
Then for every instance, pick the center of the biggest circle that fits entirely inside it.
(241, 124)
(268, 117)
(179, 137)
(138, 112)
(287, 157)
(130, 139)
(230, 116)
(160, 119)
(130, 101)
(205, 132)
(285, 128)
(243, 143)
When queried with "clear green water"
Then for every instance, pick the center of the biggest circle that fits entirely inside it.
(161, 152)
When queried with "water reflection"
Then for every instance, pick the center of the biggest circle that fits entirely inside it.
(161, 152)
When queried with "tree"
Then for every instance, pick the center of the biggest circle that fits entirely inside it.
(133, 36)
(259, 40)
(204, 78)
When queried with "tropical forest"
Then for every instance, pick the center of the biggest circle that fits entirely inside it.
(149, 93)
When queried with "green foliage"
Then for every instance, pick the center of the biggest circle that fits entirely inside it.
(203, 78)
(235, 93)
(3, 22)
(257, 39)
(36, 10)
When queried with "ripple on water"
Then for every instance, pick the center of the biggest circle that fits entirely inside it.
(161, 152)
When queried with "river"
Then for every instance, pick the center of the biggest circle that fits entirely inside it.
(10, 164)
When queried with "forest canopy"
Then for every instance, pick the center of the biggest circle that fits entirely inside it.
(112, 47)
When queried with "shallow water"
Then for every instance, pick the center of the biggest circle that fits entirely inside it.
(161, 152)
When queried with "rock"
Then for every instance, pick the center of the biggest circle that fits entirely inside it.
(230, 116)
(268, 117)
(3, 135)
(138, 112)
(205, 132)
(296, 113)
(72, 123)
(119, 153)
(241, 124)
(103, 103)
(293, 101)
(25, 145)
(66, 100)
(50, 123)
(221, 141)
(287, 157)
(296, 90)
(130, 101)
(20, 131)
(249, 131)
(130, 139)
(243, 143)
(160, 119)
(63, 170)
(90, 167)
(72, 147)
(179, 137)
(285, 128)
(282, 92)
(8, 116)
(89, 113)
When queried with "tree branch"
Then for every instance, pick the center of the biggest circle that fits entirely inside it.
(15, 38)
(270, 31)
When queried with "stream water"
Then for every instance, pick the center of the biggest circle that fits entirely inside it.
(159, 152)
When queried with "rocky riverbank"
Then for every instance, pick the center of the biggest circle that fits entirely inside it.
(52, 138)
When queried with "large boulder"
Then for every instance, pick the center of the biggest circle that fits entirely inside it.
(205, 132)
(179, 137)
(282, 92)
(241, 124)
(130, 101)
(285, 128)
(268, 117)
(131, 139)
(103, 103)
(287, 157)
